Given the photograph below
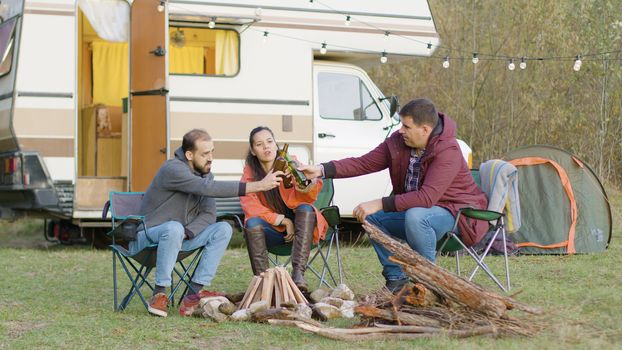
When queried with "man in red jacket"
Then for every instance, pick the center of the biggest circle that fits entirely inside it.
(431, 182)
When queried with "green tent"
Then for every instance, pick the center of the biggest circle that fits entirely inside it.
(564, 207)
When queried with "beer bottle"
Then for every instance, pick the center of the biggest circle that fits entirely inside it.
(280, 164)
(301, 179)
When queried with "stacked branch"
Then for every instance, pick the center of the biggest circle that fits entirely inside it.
(275, 287)
(444, 283)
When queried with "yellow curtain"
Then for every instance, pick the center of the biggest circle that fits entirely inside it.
(226, 52)
(186, 60)
(110, 72)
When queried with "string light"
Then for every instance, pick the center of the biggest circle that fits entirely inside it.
(347, 20)
(446, 62)
(475, 59)
(429, 48)
(383, 57)
(310, 4)
(523, 63)
(386, 35)
(577, 63)
(511, 65)
(323, 49)
(265, 37)
(161, 5)
(212, 23)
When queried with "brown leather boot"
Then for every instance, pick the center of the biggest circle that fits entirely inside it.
(304, 224)
(257, 251)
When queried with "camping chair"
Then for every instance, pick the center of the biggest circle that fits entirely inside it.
(124, 208)
(324, 248)
(451, 242)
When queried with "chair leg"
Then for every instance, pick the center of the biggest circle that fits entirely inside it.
(114, 279)
(505, 258)
(339, 268)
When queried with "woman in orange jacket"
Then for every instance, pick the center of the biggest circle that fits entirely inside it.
(280, 215)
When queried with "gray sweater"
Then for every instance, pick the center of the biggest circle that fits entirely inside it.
(178, 193)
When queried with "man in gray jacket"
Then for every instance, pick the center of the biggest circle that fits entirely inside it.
(180, 215)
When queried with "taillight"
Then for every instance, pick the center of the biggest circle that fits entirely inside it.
(10, 165)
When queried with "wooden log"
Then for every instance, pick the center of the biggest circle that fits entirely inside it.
(300, 298)
(268, 286)
(249, 297)
(257, 295)
(404, 317)
(443, 282)
(278, 298)
(276, 313)
(333, 333)
(421, 296)
(248, 290)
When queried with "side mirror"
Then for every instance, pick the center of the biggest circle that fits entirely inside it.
(394, 106)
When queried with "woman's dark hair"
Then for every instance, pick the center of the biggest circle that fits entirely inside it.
(273, 197)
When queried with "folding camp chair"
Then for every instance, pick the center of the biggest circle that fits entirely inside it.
(124, 208)
(324, 248)
(451, 242)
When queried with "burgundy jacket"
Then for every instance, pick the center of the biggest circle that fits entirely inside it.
(446, 178)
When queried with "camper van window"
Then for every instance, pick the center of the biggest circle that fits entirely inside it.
(204, 51)
(7, 30)
(345, 96)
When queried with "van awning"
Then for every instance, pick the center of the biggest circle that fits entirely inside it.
(109, 18)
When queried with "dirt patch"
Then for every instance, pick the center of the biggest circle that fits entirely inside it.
(17, 330)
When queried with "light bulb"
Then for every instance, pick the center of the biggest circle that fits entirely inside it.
(577, 64)
(161, 6)
(511, 65)
(475, 59)
(323, 49)
(386, 35)
(383, 57)
(212, 23)
(310, 4)
(446, 62)
(523, 63)
(347, 20)
(265, 37)
(429, 48)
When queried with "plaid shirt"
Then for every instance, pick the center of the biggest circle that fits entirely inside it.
(413, 176)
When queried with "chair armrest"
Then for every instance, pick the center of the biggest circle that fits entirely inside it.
(127, 229)
(331, 214)
(481, 214)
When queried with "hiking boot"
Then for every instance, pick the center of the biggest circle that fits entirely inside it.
(191, 302)
(394, 286)
(158, 305)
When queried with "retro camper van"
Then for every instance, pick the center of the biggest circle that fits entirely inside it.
(95, 95)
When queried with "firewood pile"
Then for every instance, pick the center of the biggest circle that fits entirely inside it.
(274, 295)
(439, 303)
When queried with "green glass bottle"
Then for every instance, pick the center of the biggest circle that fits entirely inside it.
(301, 179)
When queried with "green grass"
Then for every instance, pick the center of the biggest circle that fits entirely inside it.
(61, 297)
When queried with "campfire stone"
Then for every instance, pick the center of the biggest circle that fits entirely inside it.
(257, 306)
(227, 308)
(241, 315)
(347, 308)
(342, 292)
(303, 310)
(318, 294)
(211, 312)
(326, 311)
(336, 302)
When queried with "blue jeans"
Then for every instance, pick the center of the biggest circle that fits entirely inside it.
(421, 228)
(273, 237)
(170, 239)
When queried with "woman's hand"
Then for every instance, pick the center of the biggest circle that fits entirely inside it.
(289, 229)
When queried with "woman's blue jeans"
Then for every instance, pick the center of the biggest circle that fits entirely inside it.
(273, 237)
(421, 228)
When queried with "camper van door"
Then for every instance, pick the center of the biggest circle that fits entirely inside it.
(349, 122)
